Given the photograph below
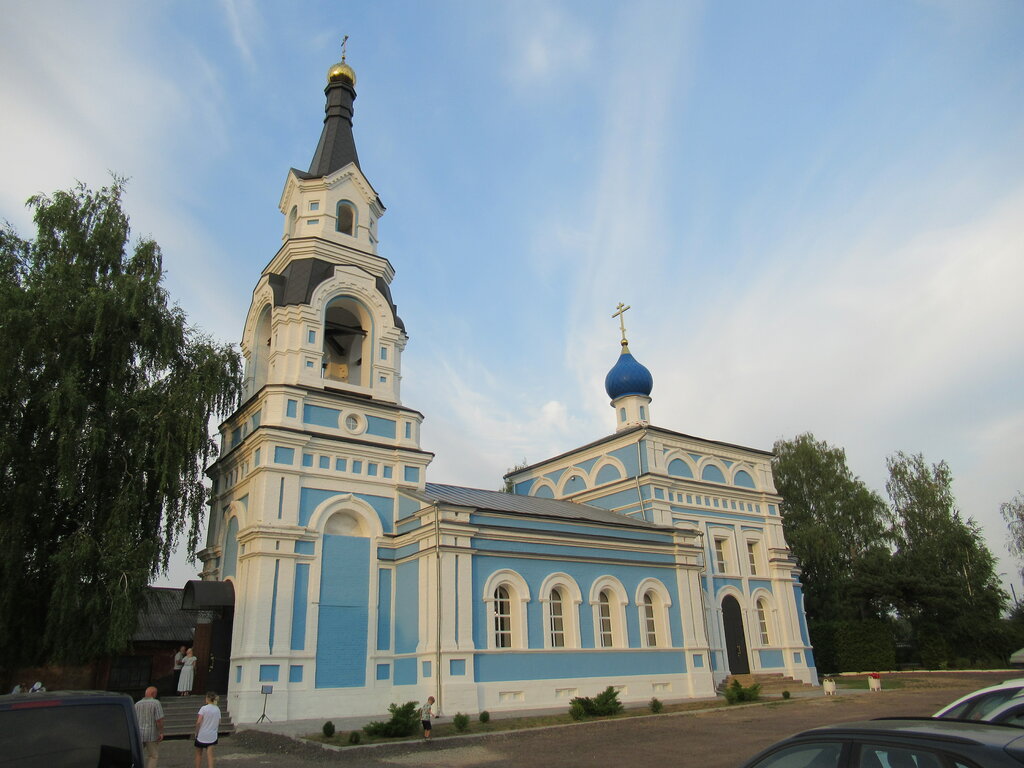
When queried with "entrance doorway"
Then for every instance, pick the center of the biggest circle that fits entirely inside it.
(735, 637)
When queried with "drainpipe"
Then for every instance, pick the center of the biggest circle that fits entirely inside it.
(437, 561)
(639, 469)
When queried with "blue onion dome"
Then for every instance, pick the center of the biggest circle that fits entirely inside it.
(628, 377)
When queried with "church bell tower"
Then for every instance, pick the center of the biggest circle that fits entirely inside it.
(321, 456)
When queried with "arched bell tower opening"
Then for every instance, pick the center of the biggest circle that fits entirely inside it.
(348, 332)
(259, 359)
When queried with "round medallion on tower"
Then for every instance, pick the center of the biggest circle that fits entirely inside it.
(628, 377)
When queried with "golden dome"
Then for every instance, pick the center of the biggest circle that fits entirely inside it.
(341, 72)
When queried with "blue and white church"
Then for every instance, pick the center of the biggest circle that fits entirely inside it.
(648, 559)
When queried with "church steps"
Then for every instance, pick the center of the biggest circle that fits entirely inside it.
(180, 713)
(771, 684)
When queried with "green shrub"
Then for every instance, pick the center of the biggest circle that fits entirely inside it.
(485, 716)
(656, 705)
(328, 729)
(461, 722)
(737, 693)
(405, 719)
(604, 704)
(786, 694)
(355, 737)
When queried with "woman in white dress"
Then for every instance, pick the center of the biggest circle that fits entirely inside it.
(188, 674)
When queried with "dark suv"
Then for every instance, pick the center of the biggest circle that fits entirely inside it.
(69, 729)
(899, 743)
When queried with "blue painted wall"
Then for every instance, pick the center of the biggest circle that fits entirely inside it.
(743, 479)
(381, 427)
(300, 605)
(628, 456)
(405, 671)
(712, 474)
(342, 627)
(771, 658)
(320, 416)
(407, 592)
(679, 468)
(497, 667)
(608, 474)
(384, 609)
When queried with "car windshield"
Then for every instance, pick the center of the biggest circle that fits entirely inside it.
(66, 737)
(976, 708)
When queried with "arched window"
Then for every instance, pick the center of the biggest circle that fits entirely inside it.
(556, 619)
(293, 219)
(762, 622)
(604, 613)
(346, 217)
(502, 618)
(650, 623)
(347, 341)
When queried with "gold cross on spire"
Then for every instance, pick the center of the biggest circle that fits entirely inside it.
(344, 43)
(622, 321)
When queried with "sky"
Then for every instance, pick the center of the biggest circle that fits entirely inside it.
(814, 210)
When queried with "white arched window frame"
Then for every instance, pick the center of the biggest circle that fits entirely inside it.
(608, 602)
(569, 593)
(723, 550)
(506, 595)
(653, 603)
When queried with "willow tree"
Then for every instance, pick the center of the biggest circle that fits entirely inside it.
(106, 395)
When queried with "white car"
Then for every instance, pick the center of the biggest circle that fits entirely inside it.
(1009, 713)
(978, 705)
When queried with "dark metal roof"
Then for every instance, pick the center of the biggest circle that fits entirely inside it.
(162, 619)
(207, 594)
(298, 280)
(337, 147)
(498, 501)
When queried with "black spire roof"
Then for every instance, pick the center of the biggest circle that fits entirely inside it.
(337, 147)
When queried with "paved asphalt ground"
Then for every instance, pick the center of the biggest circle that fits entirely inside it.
(720, 738)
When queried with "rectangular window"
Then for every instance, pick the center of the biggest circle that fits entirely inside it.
(314, 205)
(408, 430)
(325, 462)
(311, 336)
(340, 464)
(312, 222)
(502, 619)
(307, 459)
(752, 557)
(383, 379)
(720, 561)
(383, 353)
(291, 408)
(256, 458)
(650, 626)
(605, 617)
(371, 469)
(557, 624)
(269, 672)
(388, 472)
(357, 467)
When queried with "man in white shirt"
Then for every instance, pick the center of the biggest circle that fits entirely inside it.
(150, 714)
